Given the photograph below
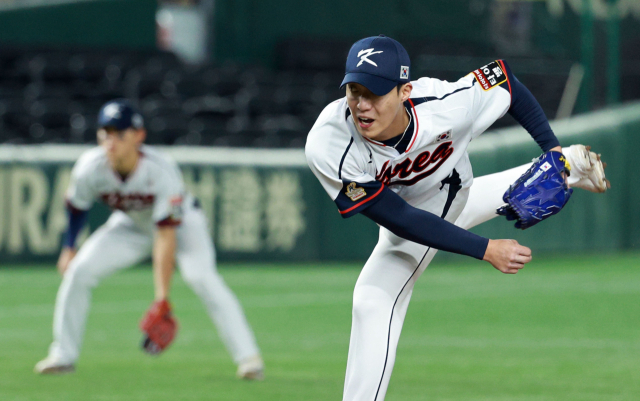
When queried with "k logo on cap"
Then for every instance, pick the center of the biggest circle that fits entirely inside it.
(363, 54)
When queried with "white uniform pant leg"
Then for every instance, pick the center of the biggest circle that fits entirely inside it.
(115, 245)
(485, 196)
(196, 258)
(380, 301)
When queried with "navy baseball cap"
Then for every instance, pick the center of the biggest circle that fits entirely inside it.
(120, 114)
(379, 63)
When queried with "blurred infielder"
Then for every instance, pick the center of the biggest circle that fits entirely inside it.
(152, 215)
(395, 150)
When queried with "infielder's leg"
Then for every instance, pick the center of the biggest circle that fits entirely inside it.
(115, 245)
(196, 258)
(380, 301)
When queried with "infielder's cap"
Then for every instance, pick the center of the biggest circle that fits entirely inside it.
(120, 114)
(377, 62)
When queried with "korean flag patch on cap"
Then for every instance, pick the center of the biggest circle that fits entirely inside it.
(404, 72)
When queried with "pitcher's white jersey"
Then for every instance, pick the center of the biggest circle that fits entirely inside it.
(152, 194)
(444, 116)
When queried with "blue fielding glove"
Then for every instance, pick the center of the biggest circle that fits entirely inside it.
(539, 193)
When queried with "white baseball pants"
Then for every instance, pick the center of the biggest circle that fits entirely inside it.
(383, 290)
(119, 244)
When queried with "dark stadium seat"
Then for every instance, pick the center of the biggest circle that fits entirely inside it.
(166, 129)
(89, 67)
(17, 119)
(105, 91)
(303, 98)
(264, 100)
(89, 128)
(137, 85)
(209, 105)
(191, 138)
(193, 85)
(281, 122)
(10, 89)
(48, 135)
(78, 125)
(292, 136)
(9, 136)
(8, 57)
(208, 138)
(269, 140)
(226, 87)
(157, 105)
(51, 115)
(245, 138)
(56, 68)
(209, 123)
(40, 90)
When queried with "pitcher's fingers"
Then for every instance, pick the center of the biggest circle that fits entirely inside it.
(522, 259)
(524, 251)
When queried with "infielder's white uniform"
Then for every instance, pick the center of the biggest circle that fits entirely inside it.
(152, 195)
(433, 174)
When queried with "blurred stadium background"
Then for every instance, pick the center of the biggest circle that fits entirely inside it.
(230, 89)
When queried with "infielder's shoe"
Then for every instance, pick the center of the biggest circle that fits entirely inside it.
(50, 366)
(587, 170)
(251, 368)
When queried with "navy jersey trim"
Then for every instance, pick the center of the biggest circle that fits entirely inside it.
(420, 100)
(344, 155)
(402, 144)
(507, 84)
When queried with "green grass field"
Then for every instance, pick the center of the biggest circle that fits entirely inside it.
(563, 329)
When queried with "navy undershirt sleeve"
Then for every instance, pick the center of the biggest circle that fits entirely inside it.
(77, 220)
(413, 224)
(527, 111)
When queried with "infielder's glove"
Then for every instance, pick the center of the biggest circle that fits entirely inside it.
(159, 327)
(538, 193)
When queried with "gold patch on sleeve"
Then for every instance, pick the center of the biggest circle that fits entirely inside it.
(354, 193)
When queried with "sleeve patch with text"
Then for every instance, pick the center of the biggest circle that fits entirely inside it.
(490, 76)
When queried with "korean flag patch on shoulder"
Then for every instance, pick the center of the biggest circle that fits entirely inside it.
(490, 76)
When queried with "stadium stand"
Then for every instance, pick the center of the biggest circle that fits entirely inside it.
(53, 95)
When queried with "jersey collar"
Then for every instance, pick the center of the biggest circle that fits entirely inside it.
(414, 126)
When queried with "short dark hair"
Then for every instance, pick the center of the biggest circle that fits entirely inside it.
(400, 85)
